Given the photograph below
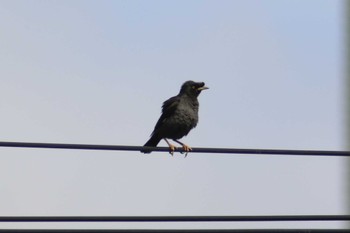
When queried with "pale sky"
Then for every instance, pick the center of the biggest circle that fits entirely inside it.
(98, 71)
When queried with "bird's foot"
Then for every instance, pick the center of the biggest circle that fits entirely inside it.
(186, 149)
(172, 148)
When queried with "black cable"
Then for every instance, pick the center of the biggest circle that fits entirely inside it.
(174, 230)
(175, 218)
(166, 149)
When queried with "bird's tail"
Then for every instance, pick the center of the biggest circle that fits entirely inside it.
(152, 142)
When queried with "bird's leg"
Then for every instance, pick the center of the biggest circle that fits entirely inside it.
(171, 147)
(184, 146)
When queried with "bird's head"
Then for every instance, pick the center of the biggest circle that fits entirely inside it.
(192, 88)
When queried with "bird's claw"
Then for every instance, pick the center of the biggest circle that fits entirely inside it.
(186, 149)
(172, 148)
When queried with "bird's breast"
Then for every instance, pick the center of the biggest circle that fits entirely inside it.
(180, 123)
(185, 119)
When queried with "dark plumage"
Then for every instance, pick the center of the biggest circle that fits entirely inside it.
(179, 116)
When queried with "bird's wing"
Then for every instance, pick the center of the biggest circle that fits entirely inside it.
(168, 108)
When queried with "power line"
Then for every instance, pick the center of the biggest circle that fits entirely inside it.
(265, 218)
(166, 149)
(175, 218)
(174, 230)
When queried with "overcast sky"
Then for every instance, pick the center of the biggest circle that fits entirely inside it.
(98, 71)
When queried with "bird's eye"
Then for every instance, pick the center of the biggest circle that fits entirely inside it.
(193, 87)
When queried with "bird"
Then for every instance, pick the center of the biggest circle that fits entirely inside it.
(179, 116)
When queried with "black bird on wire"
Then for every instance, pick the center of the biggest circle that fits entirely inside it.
(179, 116)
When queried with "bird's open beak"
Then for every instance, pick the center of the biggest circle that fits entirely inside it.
(202, 88)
